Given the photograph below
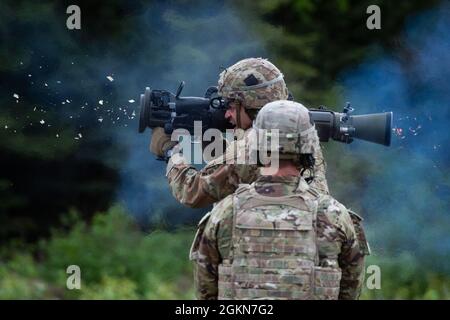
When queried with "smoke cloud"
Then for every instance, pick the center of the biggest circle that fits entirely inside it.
(405, 193)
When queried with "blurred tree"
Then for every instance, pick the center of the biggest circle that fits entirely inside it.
(316, 40)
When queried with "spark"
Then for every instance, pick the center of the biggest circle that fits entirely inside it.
(398, 131)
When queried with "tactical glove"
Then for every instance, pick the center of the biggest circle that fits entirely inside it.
(160, 142)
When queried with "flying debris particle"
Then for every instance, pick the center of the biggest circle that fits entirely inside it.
(67, 100)
(133, 114)
(72, 62)
(57, 135)
(398, 131)
(29, 75)
(45, 84)
(100, 119)
(100, 102)
(15, 95)
(34, 109)
(110, 78)
(21, 63)
(131, 101)
(79, 135)
(6, 127)
(58, 81)
(415, 131)
(42, 122)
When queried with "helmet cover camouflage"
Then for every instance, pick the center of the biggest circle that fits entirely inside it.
(293, 129)
(253, 82)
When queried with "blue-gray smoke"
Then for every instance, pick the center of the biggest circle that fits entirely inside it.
(405, 195)
(195, 44)
(86, 88)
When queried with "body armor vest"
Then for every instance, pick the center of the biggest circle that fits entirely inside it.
(274, 252)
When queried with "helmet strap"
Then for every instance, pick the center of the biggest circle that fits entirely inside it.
(238, 115)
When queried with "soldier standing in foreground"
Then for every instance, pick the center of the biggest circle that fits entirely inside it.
(246, 87)
(278, 238)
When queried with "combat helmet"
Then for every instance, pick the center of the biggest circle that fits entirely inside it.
(253, 82)
(289, 123)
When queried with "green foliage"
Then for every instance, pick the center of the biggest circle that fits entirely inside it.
(403, 277)
(317, 40)
(118, 261)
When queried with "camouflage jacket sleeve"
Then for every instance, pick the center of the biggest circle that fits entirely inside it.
(218, 179)
(320, 181)
(352, 253)
(211, 243)
(221, 177)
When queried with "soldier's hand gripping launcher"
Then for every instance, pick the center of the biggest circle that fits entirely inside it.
(161, 108)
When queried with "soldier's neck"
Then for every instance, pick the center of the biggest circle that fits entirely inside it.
(285, 168)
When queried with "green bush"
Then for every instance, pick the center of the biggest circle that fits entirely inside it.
(118, 261)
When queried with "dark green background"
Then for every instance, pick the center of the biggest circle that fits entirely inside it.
(54, 188)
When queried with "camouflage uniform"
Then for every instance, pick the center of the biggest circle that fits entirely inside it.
(242, 251)
(278, 238)
(221, 176)
(253, 82)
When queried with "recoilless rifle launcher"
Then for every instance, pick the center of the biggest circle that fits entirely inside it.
(161, 108)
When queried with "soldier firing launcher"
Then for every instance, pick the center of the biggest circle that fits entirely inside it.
(161, 108)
